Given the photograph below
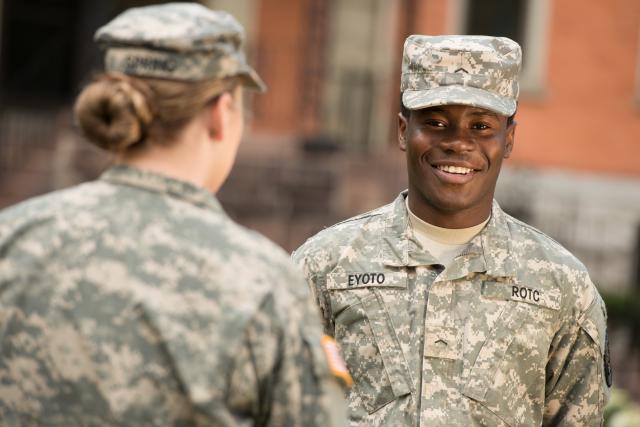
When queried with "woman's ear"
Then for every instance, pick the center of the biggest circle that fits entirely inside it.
(217, 116)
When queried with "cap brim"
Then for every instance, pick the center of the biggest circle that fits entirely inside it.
(458, 95)
(252, 80)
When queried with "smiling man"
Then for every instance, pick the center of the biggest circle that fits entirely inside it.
(448, 311)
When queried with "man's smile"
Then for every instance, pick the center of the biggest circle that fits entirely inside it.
(455, 169)
(451, 173)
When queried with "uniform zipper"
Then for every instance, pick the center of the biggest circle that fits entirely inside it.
(424, 319)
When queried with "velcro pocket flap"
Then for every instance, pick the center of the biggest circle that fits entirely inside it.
(367, 279)
(388, 345)
(543, 297)
(482, 373)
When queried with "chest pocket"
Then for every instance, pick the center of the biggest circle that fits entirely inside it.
(508, 373)
(367, 338)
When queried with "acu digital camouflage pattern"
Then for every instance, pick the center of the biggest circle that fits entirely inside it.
(511, 334)
(479, 71)
(182, 41)
(135, 301)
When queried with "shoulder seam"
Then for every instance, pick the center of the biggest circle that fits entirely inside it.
(374, 212)
(534, 229)
(356, 218)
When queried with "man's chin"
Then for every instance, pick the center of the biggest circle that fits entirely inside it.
(454, 203)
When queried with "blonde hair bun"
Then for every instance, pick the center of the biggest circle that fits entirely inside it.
(113, 112)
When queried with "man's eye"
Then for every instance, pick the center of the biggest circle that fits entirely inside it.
(435, 123)
(480, 126)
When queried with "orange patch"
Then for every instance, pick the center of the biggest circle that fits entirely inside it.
(336, 364)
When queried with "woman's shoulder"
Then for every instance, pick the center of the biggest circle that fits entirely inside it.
(51, 207)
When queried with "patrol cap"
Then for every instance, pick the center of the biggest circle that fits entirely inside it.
(180, 41)
(479, 71)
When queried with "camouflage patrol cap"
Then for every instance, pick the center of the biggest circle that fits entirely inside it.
(479, 71)
(179, 41)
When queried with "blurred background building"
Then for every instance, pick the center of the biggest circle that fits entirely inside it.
(320, 146)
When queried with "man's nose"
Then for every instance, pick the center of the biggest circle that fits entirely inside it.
(457, 140)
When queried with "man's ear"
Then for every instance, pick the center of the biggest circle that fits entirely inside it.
(217, 114)
(402, 130)
(510, 139)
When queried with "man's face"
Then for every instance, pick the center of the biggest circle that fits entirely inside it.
(454, 155)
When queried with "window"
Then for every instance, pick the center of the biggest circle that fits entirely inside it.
(524, 21)
(47, 48)
(37, 49)
(503, 18)
(355, 101)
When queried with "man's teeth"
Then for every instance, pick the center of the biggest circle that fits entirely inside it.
(455, 169)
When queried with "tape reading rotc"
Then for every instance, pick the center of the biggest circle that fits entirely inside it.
(525, 293)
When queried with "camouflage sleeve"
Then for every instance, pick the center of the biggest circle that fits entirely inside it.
(318, 286)
(578, 371)
(281, 358)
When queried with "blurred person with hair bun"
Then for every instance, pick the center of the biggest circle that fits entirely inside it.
(134, 300)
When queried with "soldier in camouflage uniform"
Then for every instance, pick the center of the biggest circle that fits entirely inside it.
(134, 300)
(501, 327)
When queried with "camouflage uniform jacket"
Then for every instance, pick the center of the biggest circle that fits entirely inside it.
(511, 334)
(135, 301)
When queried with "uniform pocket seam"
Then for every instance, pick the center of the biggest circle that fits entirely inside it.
(365, 299)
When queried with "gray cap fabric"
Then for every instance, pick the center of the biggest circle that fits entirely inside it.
(180, 41)
(479, 71)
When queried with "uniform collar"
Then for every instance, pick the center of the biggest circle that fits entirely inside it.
(401, 248)
(489, 252)
(154, 182)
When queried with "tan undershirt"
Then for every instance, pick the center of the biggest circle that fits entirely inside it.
(443, 243)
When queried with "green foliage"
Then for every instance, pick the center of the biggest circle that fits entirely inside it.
(621, 411)
(624, 311)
